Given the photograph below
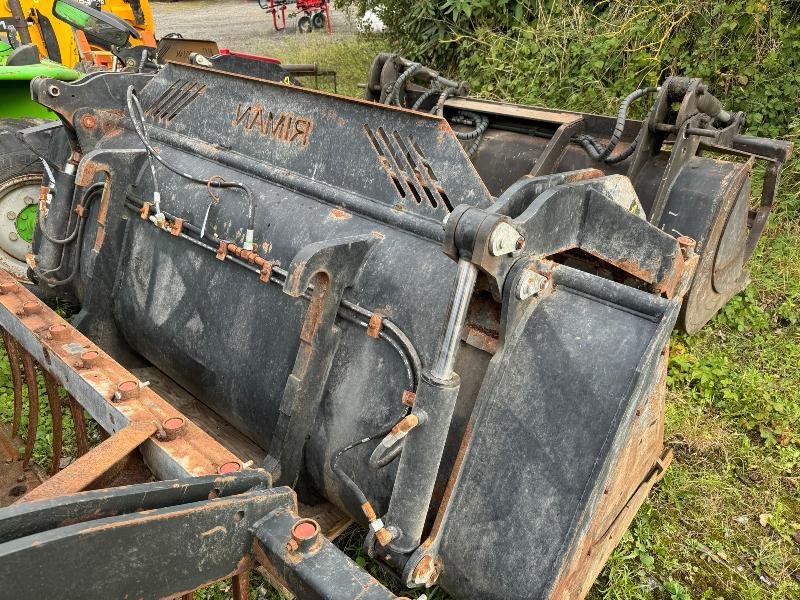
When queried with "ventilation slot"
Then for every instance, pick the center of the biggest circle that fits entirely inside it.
(174, 99)
(407, 168)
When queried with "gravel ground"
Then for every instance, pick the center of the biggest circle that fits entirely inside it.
(236, 24)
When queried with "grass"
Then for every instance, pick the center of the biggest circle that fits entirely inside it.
(350, 57)
(725, 521)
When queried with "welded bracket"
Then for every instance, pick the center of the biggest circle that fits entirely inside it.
(152, 540)
(294, 551)
(330, 266)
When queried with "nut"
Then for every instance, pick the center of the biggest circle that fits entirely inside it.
(531, 284)
(88, 359)
(89, 121)
(58, 332)
(172, 428)
(427, 571)
(126, 390)
(305, 534)
(8, 287)
(505, 239)
(31, 307)
(229, 467)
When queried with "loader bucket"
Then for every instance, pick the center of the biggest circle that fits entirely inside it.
(689, 161)
(300, 310)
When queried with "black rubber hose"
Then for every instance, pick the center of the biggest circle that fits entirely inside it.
(603, 153)
(87, 203)
(89, 191)
(394, 93)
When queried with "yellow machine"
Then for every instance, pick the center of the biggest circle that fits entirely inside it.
(34, 23)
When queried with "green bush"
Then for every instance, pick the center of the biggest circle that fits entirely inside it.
(587, 55)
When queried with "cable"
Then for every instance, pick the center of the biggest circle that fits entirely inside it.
(49, 172)
(76, 259)
(603, 153)
(92, 189)
(346, 479)
(215, 182)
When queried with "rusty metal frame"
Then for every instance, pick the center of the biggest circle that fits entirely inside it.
(135, 416)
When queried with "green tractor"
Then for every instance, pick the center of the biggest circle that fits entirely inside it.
(35, 41)
(20, 169)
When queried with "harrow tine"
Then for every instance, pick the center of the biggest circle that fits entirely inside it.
(54, 399)
(81, 437)
(12, 351)
(33, 406)
(241, 585)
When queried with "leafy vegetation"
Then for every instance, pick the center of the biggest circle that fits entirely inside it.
(725, 521)
(586, 55)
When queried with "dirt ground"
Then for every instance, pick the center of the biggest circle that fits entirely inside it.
(236, 24)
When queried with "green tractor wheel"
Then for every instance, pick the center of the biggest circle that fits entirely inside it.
(20, 181)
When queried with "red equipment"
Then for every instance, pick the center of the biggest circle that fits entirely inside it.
(316, 14)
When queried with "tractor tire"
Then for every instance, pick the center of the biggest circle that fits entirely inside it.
(304, 24)
(20, 179)
(318, 20)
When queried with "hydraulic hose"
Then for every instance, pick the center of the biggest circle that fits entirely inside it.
(603, 153)
(92, 189)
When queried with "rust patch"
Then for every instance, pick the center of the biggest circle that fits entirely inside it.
(89, 467)
(466, 439)
(375, 325)
(339, 214)
(480, 338)
(177, 227)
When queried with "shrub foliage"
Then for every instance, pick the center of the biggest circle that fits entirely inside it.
(587, 55)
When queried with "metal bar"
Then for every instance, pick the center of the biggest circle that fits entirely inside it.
(28, 518)
(89, 467)
(79, 424)
(12, 352)
(33, 406)
(240, 584)
(459, 303)
(159, 553)
(54, 400)
(20, 22)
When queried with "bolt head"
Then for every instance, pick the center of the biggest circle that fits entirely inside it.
(11, 215)
(426, 572)
(89, 121)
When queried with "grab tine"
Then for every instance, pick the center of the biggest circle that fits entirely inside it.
(54, 399)
(33, 406)
(12, 351)
(241, 585)
(81, 437)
